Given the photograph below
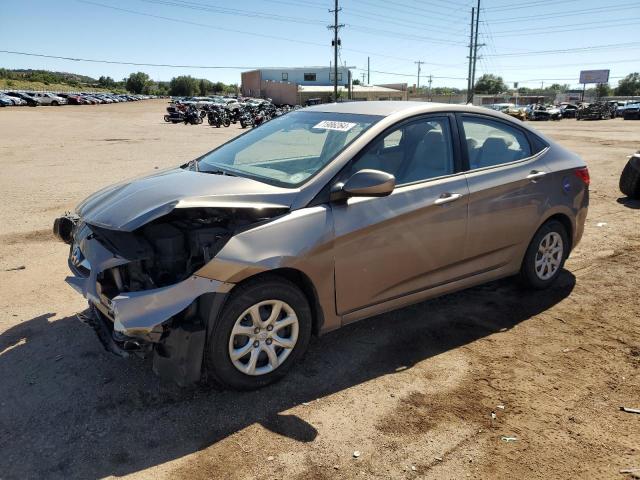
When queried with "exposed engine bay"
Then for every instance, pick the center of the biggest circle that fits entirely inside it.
(168, 249)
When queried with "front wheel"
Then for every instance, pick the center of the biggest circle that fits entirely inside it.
(263, 329)
(545, 256)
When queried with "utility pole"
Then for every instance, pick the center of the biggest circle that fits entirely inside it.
(368, 71)
(336, 43)
(430, 79)
(363, 75)
(419, 62)
(475, 52)
(473, 13)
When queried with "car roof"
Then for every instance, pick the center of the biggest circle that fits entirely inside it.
(390, 107)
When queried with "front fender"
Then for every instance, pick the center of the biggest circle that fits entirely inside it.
(301, 240)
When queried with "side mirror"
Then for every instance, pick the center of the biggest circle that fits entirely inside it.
(365, 183)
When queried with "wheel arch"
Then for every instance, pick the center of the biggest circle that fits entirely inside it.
(566, 222)
(300, 280)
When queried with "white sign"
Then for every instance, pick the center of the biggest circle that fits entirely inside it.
(594, 76)
(333, 125)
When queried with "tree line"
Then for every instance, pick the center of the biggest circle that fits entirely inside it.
(181, 86)
(494, 85)
(138, 82)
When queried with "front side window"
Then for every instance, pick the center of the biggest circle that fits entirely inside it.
(285, 76)
(491, 143)
(413, 152)
(309, 77)
(289, 149)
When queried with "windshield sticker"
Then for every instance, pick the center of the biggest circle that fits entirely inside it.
(338, 126)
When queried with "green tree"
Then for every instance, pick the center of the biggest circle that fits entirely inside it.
(490, 84)
(183, 86)
(603, 90)
(106, 82)
(629, 85)
(138, 82)
(219, 87)
(205, 86)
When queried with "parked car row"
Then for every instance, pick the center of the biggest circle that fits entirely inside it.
(599, 110)
(34, 99)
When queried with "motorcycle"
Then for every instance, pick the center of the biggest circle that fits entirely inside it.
(246, 118)
(217, 117)
(234, 114)
(193, 117)
(175, 114)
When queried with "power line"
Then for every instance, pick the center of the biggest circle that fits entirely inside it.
(216, 27)
(567, 50)
(585, 11)
(523, 5)
(411, 74)
(120, 62)
(553, 29)
(232, 11)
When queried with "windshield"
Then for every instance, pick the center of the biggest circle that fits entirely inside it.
(290, 149)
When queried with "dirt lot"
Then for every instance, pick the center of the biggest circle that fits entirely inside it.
(412, 390)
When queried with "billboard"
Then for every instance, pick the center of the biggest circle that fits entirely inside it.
(594, 76)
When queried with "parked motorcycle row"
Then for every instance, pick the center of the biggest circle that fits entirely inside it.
(248, 114)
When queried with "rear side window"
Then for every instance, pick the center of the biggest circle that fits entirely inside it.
(491, 143)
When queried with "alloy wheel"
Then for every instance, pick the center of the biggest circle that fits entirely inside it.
(263, 336)
(549, 256)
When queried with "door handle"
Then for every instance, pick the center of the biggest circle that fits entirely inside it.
(448, 198)
(535, 175)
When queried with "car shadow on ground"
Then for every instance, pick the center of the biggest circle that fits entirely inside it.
(629, 202)
(69, 409)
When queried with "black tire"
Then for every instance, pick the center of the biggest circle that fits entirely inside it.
(210, 121)
(528, 276)
(219, 366)
(242, 124)
(630, 179)
(167, 118)
(226, 122)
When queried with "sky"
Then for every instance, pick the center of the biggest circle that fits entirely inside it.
(534, 43)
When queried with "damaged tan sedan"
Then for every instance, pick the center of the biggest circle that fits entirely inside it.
(224, 267)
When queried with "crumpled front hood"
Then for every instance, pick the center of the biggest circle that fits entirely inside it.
(129, 205)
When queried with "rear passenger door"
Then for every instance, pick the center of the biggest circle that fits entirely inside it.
(506, 178)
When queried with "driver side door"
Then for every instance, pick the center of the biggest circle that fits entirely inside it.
(411, 240)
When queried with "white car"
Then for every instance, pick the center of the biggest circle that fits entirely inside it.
(50, 99)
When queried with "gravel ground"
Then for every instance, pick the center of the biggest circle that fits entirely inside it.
(412, 391)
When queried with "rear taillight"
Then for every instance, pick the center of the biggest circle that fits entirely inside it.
(583, 174)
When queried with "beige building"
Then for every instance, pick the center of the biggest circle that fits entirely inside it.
(255, 84)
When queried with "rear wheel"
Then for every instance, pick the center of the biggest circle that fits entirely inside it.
(630, 179)
(545, 256)
(263, 329)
